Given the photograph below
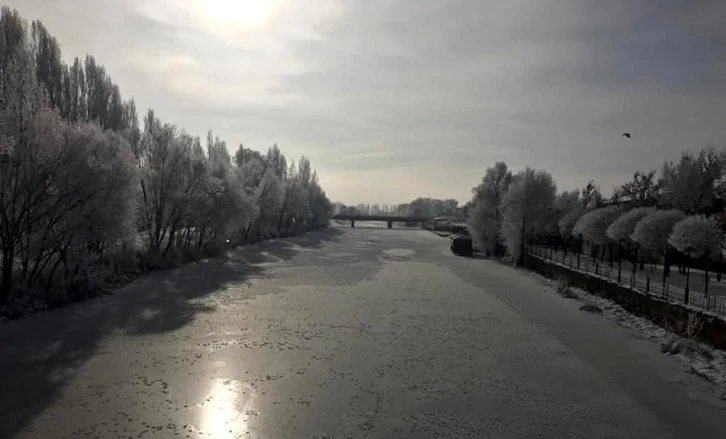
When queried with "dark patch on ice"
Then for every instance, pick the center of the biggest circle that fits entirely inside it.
(588, 307)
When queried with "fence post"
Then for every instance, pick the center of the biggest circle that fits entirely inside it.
(578, 261)
(685, 297)
(707, 277)
(708, 299)
(647, 284)
(597, 269)
(620, 269)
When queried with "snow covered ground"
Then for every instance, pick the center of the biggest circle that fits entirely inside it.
(697, 358)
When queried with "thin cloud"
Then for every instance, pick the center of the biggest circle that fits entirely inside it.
(367, 155)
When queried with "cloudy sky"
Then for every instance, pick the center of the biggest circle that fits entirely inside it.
(393, 100)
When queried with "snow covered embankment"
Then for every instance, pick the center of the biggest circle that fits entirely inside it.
(702, 360)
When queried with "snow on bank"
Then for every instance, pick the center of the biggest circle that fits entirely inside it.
(700, 359)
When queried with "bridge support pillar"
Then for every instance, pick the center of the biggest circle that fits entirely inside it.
(352, 224)
(390, 224)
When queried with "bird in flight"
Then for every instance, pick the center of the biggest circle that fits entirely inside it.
(626, 135)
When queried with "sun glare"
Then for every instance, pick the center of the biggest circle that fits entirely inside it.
(237, 15)
(227, 409)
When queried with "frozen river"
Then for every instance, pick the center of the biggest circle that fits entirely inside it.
(343, 333)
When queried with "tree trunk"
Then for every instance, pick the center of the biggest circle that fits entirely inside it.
(522, 238)
(610, 249)
(38, 266)
(666, 265)
(200, 243)
(636, 259)
(7, 278)
(169, 241)
(25, 256)
(279, 224)
(706, 279)
(51, 274)
(147, 212)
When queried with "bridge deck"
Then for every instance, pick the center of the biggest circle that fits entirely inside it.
(380, 218)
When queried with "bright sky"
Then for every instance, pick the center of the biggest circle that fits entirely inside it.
(392, 100)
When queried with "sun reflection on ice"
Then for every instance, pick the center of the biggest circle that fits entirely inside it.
(226, 409)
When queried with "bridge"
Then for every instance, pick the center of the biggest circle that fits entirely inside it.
(389, 219)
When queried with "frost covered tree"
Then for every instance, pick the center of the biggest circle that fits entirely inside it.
(523, 209)
(162, 161)
(565, 203)
(485, 215)
(484, 228)
(81, 182)
(691, 184)
(591, 196)
(98, 215)
(21, 102)
(568, 220)
(642, 190)
(66, 192)
(430, 207)
(697, 236)
(653, 230)
(594, 224)
(288, 199)
(320, 205)
(231, 206)
(269, 195)
(621, 230)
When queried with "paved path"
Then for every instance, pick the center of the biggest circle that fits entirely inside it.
(343, 333)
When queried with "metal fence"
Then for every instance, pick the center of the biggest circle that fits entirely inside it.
(633, 280)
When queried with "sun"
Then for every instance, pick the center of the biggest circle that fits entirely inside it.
(236, 15)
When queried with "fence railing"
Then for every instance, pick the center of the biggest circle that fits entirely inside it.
(635, 280)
